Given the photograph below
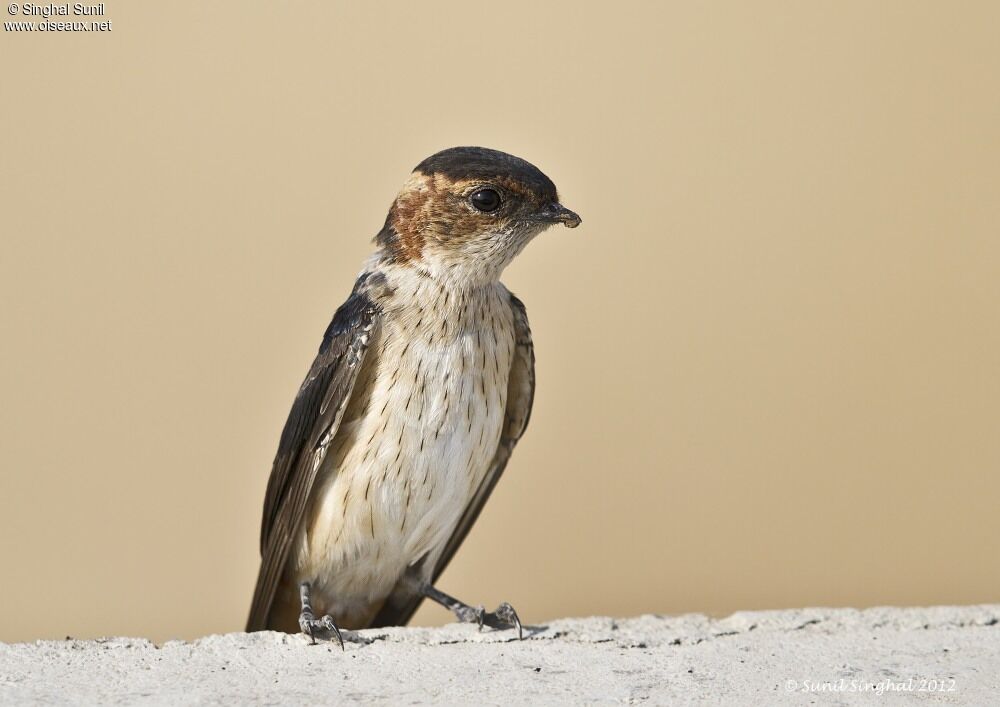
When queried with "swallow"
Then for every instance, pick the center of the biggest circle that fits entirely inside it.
(422, 386)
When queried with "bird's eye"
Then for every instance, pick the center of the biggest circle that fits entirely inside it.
(485, 200)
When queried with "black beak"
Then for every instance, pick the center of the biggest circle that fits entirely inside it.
(557, 213)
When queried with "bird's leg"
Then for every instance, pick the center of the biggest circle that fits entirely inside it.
(310, 624)
(502, 617)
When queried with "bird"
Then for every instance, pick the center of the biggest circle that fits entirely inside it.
(422, 386)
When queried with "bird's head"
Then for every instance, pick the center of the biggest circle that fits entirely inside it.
(466, 212)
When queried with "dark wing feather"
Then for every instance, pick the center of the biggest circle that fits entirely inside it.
(403, 603)
(312, 424)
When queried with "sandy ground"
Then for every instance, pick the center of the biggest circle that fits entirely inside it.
(882, 656)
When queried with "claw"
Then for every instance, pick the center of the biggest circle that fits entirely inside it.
(308, 623)
(329, 625)
(512, 618)
(505, 617)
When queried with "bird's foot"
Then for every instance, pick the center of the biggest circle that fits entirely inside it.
(323, 627)
(500, 618)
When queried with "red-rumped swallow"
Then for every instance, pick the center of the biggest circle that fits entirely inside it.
(422, 387)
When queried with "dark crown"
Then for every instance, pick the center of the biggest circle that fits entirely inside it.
(480, 163)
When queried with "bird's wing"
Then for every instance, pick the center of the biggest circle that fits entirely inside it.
(403, 602)
(311, 426)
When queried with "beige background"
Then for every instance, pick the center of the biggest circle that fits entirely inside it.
(767, 362)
